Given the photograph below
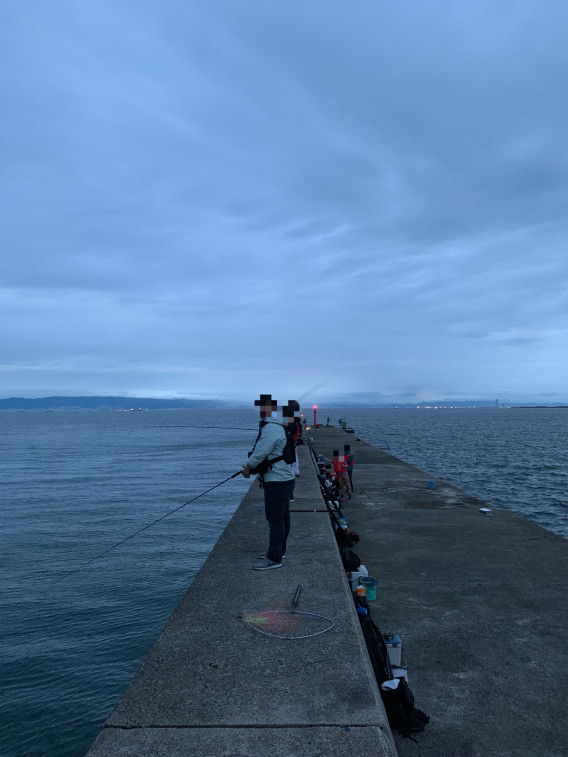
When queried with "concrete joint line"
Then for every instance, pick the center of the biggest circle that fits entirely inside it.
(242, 725)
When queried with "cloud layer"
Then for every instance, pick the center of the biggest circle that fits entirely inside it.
(225, 198)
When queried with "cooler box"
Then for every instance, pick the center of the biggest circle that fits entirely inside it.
(356, 575)
(394, 647)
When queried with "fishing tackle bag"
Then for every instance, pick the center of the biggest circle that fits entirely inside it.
(403, 716)
(350, 560)
(396, 694)
(344, 538)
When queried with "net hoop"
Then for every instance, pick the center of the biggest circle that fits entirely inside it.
(291, 612)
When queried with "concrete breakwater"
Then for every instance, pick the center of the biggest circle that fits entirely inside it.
(213, 686)
(479, 601)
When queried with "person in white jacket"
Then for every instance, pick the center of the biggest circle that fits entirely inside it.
(278, 480)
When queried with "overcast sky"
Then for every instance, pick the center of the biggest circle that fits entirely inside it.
(214, 199)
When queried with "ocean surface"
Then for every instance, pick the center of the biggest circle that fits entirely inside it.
(75, 483)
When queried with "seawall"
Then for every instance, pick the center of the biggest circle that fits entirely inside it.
(212, 685)
(480, 602)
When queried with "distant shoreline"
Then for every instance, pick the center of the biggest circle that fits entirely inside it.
(110, 403)
(137, 404)
(539, 407)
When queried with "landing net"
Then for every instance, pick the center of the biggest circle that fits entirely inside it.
(287, 624)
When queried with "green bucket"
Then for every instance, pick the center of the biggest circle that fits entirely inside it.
(371, 585)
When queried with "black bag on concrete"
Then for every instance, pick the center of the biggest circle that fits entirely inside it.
(344, 538)
(399, 703)
(376, 645)
(350, 560)
(402, 714)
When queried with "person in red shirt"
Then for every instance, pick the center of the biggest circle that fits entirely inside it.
(340, 470)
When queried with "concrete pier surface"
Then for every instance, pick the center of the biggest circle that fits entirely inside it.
(212, 685)
(480, 603)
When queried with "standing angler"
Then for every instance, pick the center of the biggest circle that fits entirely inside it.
(277, 480)
(291, 413)
(295, 428)
(349, 458)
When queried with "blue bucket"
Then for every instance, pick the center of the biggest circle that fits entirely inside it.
(370, 585)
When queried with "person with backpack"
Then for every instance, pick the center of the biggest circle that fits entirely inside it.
(270, 459)
(295, 428)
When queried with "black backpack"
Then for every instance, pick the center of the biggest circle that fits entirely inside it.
(288, 454)
(402, 714)
(350, 560)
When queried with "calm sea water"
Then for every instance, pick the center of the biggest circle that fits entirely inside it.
(511, 458)
(73, 484)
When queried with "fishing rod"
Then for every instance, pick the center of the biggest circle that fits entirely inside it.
(149, 525)
(230, 428)
(310, 391)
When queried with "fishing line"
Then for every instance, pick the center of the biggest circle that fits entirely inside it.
(149, 525)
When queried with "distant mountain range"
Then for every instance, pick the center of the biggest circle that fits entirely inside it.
(107, 403)
(150, 403)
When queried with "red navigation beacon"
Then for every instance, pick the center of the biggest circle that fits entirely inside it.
(315, 416)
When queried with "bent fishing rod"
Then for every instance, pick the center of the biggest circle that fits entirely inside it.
(149, 525)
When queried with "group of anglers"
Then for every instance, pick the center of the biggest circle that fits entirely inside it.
(274, 459)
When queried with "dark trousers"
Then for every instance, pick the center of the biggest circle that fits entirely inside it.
(277, 510)
(350, 474)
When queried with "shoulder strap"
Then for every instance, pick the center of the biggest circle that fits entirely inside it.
(262, 425)
(289, 440)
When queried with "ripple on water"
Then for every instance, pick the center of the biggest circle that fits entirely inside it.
(80, 482)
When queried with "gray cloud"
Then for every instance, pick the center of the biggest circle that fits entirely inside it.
(205, 198)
